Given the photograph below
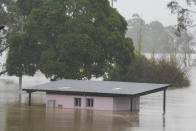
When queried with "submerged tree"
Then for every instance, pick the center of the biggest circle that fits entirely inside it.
(74, 35)
(14, 14)
(151, 71)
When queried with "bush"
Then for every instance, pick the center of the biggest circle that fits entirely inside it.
(150, 71)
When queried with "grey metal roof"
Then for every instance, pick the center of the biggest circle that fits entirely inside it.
(98, 87)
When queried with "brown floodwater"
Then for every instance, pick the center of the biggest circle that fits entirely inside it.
(180, 113)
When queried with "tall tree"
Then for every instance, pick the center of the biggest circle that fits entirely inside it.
(25, 7)
(74, 35)
(20, 59)
(15, 13)
(136, 30)
(148, 37)
(184, 14)
(9, 18)
(185, 47)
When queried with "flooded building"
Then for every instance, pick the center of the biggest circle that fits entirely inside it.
(96, 95)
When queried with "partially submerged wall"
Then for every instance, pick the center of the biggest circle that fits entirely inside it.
(99, 103)
(124, 103)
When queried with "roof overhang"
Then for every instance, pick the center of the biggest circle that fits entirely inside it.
(93, 93)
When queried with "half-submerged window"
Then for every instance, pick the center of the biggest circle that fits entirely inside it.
(52, 103)
(77, 102)
(89, 102)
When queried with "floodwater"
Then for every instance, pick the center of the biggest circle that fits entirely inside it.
(180, 113)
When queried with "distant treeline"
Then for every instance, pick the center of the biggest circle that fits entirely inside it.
(154, 37)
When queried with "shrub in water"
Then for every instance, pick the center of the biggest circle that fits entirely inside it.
(151, 71)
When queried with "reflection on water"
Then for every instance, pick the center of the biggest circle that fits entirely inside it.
(87, 120)
(36, 118)
(180, 114)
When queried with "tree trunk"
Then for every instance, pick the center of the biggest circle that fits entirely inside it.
(185, 58)
(189, 59)
(140, 37)
(189, 54)
(22, 18)
(112, 3)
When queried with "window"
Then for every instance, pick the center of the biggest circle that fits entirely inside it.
(60, 106)
(77, 102)
(89, 102)
(52, 103)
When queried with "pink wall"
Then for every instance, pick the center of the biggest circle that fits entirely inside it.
(64, 100)
(123, 103)
(100, 103)
(67, 101)
(103, 103)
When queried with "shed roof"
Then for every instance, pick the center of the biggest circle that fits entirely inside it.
(101, 88)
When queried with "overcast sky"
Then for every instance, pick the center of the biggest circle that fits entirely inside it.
(149, 10)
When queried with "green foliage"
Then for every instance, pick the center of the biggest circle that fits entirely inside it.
(150, 71)
(72, 35)
(26, 6)
(7, 18)
(184, 14)
(22, 57)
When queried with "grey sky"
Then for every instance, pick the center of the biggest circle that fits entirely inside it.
(149, 10)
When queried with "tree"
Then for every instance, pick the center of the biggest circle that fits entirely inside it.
(74, 35)
(148, 37)
(20, 59)
(156, 36)
(26, 6)
(185, 47)
(6, 16)
(136, 30)
(183, 14)
(14, 14)
(1, 28)
(146, 70)
(9, 18)
(180, 44)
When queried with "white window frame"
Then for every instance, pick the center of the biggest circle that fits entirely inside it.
(51, 101)
(79, 103)
(89, 102)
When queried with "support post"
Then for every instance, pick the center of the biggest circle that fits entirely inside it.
(131, 104)
(29, 98)
(164, 100)
(20, 89)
